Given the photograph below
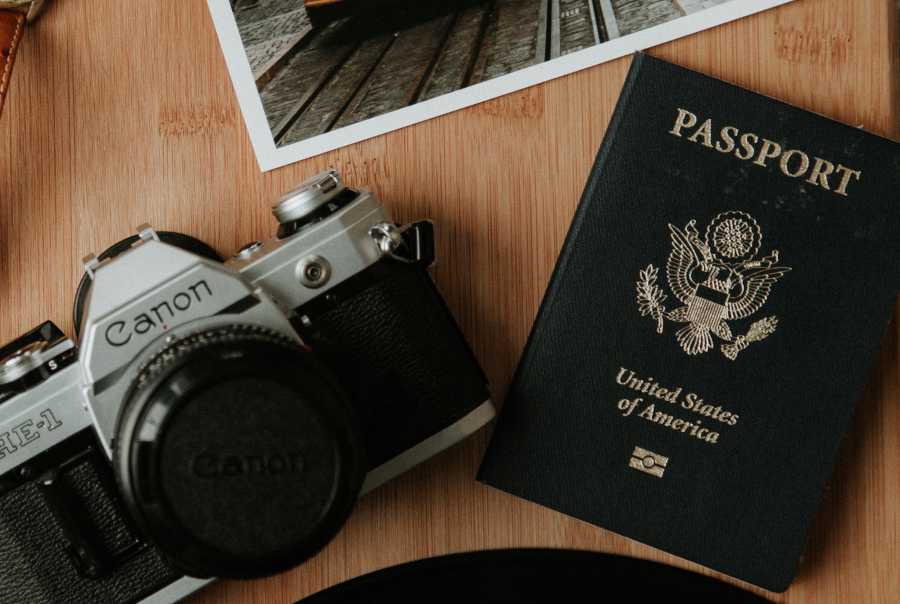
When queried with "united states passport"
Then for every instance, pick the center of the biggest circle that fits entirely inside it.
(716, 307)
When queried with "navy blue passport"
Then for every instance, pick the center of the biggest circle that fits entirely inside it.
(718, 303)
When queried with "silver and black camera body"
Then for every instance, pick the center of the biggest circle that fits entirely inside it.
(220, 419)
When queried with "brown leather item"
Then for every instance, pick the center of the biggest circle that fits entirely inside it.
(12, 25)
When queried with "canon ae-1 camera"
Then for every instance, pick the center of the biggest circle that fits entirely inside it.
(220, 419)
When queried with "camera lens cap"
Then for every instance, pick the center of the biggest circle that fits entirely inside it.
(237, 454)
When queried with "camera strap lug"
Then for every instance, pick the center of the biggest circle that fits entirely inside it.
(410, 244)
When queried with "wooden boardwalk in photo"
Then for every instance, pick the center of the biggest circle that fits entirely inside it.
(312, 81)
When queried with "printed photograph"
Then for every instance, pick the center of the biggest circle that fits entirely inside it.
(320, 66)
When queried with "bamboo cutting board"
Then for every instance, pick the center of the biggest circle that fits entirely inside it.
(123, 113)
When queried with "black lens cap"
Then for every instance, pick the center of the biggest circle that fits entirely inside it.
(237, 454)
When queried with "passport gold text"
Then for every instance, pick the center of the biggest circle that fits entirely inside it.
(765, 153)
(658, 404)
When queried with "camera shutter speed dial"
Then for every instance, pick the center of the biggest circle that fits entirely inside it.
(309, 196)
(237, 453)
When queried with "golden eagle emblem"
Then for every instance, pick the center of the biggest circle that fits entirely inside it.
(718, 279)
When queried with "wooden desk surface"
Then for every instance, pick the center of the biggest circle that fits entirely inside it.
(123, 113)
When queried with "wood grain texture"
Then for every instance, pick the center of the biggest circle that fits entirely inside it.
(123, 113)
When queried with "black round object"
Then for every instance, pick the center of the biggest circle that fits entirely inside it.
(180, 240)
(533, 576)
(237, 454)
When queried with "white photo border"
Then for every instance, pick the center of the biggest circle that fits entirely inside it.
(271, 156)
